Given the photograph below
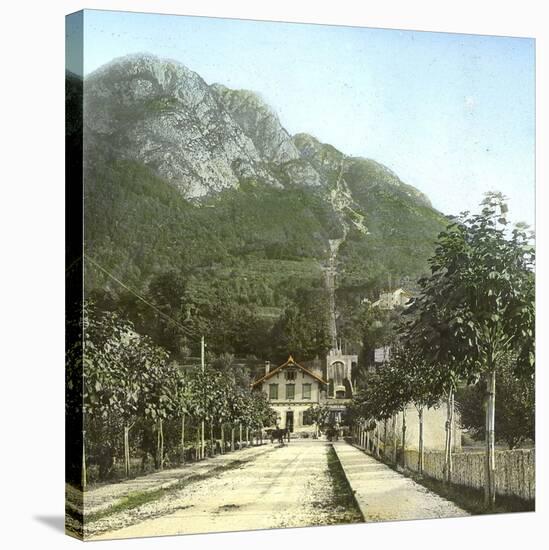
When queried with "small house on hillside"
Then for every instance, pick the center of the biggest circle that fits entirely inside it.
(392, 299)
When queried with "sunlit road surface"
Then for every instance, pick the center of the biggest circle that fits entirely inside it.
(288, 487)
(385, 495)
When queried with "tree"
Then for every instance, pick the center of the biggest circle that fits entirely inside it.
(478, 305)
(318, 414)
(303, 328)
(184, 403)
(381, 396)
(515, 413)
(262, 414)
(419, 384)
(126, 378)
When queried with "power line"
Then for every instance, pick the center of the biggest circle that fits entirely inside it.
(144, 300)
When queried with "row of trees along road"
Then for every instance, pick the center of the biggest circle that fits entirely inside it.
(472, 324)
(130, 390)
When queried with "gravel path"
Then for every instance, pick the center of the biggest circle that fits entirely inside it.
(385, 495)
(104, 496)
(288, 487)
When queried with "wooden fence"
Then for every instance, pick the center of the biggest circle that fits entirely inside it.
(515, 470)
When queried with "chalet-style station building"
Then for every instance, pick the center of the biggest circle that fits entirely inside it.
(293, 388)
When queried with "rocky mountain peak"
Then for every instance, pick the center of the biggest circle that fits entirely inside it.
(203, 139)
(259, 122)
(164, 115)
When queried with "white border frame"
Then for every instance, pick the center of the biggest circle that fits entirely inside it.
(32, 234)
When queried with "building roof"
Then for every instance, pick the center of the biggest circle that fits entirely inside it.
(289, 363)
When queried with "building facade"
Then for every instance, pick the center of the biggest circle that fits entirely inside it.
(291, 389)
(392, 299)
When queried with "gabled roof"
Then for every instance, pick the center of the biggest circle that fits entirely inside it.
(289, 363)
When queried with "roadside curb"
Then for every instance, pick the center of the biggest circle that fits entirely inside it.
(346, 473)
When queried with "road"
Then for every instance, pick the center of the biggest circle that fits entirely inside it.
(385, 495)
(289, 486)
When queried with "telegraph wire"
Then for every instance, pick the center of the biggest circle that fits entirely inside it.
(187, 331)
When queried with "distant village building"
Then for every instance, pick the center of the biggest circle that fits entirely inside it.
(291, 389)
(339, 372)
(339, 368)
(382, 355)
(392, 299)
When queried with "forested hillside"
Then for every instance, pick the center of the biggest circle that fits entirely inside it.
(200, 191)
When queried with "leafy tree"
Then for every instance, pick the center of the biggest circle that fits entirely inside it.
(126, 378)
(262, 414)
(183, 405)
(381, 396)
(303, 329)
(319, 415)
(478, 304)
(515, 413)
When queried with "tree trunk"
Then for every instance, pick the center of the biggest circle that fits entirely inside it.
(385, 437)
(421, 450)
(490, 485)
(394, 439)
(448, 442)
(84, 478)
(232, 438)
(451, 438)
(240, 436)
(183, 439)
(160, 445)
(247, 436)
(404, 437)
(222, 438)
(212, 443)
(202, 441)
(126, 451)
(377, 441)
(368, 440)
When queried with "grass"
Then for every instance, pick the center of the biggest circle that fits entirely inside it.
(471, 499)
(343, 494)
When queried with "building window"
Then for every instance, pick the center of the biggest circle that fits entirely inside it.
(290, 391)
(290, 375)
(307, 418)
(306, 391)
(339, 373)
(273, 391)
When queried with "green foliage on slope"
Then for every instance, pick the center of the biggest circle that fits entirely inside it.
(259, 245)
(137, 225)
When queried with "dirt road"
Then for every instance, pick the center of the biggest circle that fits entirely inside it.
(289, 487)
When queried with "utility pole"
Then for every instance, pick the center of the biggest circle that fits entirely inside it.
(202, 442)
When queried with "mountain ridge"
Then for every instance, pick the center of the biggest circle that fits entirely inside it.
(204, 180)
(248, 132)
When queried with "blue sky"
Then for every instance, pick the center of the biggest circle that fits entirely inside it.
(451, 114)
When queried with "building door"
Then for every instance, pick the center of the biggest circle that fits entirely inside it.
(290, 420)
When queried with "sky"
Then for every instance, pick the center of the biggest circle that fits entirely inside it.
(451, 114)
